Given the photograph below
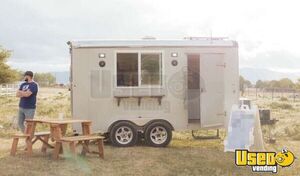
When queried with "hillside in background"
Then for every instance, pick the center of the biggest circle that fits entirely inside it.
(254, 74)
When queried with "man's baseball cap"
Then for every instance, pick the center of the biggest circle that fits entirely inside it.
(28, 73)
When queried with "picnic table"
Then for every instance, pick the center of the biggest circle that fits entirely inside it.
(58, 129)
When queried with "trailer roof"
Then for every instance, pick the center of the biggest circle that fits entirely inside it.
(221, 42)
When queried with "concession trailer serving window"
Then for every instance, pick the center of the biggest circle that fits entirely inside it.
(139, 69)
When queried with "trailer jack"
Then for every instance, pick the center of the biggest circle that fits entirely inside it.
(217, 136)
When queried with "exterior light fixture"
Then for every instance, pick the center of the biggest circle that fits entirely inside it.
(101, 55)
(174, 54)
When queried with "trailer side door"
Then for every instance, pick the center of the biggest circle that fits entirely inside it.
(212, 90)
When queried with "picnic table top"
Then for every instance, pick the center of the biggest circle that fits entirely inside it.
(58, 121)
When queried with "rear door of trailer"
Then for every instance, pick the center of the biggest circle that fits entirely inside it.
(212, 67)
(206, 89)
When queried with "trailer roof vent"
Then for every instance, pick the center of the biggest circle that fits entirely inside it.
(149, 38)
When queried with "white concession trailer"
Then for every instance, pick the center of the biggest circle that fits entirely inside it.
(152, 87)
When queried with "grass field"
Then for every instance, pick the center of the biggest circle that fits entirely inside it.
(184, 156)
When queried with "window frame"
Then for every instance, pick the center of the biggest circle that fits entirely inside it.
(140, 52)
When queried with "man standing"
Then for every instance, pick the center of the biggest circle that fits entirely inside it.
(27, 93)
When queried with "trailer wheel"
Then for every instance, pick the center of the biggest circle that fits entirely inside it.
(158, 134)
(123, 134)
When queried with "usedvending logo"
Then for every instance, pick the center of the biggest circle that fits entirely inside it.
(264, 161)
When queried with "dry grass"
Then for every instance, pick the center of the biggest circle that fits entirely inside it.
(50, 103)
(184, 156)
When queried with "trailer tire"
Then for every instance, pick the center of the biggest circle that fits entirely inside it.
(123, 134)
(158, 134)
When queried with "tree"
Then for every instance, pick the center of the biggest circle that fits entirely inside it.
(260, 84)
(44, 79)
(247, 84)
(282, 83)
(244, 84)
(7, 75)
(298, 84)
(286, 83)
(273, 84)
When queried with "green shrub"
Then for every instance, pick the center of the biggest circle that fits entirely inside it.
(283, 99)
(296, 137)
(276, 105)
(45, 111)
(293, 131)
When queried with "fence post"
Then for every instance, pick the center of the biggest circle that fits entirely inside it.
(294, 95)
(248, 91)
(7, 89)
(256, 93)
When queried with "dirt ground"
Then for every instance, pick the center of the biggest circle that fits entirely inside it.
(184, 155)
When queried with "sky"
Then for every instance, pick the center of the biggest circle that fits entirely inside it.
(268, 32)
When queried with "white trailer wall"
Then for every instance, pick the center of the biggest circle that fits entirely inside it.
(93, 87)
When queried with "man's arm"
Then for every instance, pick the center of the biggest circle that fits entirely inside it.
(18, 94)
(21, 93)
(26, 93)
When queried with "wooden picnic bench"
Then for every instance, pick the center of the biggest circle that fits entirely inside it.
(30, 138)
(42, 136)
(77, 140)
(57, 132)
